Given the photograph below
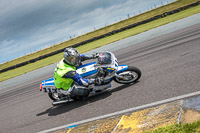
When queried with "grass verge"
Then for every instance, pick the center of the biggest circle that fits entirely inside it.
(179, 128)
(101, 42)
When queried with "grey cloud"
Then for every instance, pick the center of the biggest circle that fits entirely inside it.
(32, 24)
(30, 17)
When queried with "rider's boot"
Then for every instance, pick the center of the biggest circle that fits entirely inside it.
(63, 95)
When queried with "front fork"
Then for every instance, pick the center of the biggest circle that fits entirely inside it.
(121, 77)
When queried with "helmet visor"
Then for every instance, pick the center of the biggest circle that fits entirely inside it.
(74, 60)
(72, 56)
(104, 58)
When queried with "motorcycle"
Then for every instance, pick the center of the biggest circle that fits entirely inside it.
(106, 67)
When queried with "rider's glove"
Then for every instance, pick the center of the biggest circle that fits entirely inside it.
(99, 80)
(96, 55)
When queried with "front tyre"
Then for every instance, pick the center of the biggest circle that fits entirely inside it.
(131, 75)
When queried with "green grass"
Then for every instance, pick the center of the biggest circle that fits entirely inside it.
(135, 19)
(100, 42)
(179, 128)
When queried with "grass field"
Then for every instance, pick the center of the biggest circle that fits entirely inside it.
(101, 42)
(179, 128)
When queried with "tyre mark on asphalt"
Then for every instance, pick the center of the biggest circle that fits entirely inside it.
(138, 58)
(27, 90)
(134, 59)
(154, 45)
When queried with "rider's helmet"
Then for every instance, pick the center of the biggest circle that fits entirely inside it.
(72, 57)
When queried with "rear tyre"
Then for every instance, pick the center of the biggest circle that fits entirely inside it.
(53, 96)
(131, 75)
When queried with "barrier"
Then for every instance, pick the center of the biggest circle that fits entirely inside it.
(102, 36)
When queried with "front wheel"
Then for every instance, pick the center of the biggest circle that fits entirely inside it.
(131, 75)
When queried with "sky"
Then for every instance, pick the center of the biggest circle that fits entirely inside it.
(27, 26)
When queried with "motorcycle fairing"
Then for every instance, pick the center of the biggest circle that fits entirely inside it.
(110, 69)
(87, 69)
(122, 68)
(48, 82)
(48, 86)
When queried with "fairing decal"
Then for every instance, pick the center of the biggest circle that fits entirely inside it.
(48, 82)
(89, 73)
(87, 69)
(122, 68)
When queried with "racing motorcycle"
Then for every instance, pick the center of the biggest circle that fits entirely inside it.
(106, 67)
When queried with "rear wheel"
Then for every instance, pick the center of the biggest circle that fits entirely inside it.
(53, 96)
(131, 75)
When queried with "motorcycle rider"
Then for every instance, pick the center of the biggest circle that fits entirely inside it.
(65, 74)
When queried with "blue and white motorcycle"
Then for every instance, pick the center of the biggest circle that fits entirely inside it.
(106, 67)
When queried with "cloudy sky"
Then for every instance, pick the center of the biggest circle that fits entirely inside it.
(30, 25)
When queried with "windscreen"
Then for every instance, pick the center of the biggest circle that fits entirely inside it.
(104, 58)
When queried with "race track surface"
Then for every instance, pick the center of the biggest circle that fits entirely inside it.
(170, 66)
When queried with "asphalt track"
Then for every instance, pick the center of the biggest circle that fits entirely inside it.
(170, 65)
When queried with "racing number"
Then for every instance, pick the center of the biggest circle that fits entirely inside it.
(50, 90)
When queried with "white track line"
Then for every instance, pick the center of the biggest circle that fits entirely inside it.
(125, 111)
